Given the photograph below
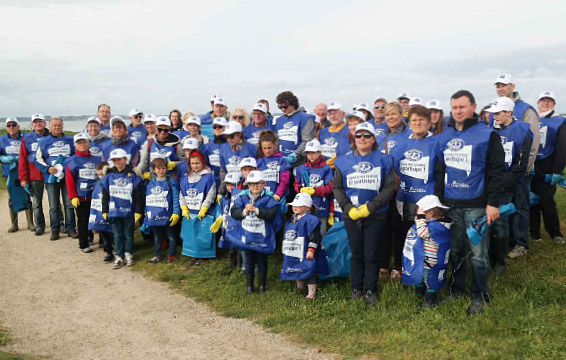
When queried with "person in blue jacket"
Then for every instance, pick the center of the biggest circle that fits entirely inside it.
(259, 122)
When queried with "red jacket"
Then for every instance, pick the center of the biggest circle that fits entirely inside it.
(319, 190)
(27, 171)
(70, 180)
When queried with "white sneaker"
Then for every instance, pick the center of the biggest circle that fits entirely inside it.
(516, 252)
(118, 263)
(130, 259)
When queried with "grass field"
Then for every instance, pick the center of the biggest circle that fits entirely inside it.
(4, 340)
(525, 321)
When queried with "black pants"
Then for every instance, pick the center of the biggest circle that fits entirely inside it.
(393, 238)
(253, 258)
(83, 213)
(107, 238)
(364, 236)
(547, 206)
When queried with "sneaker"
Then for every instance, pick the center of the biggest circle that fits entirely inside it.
(383, 274)
(73, 233)
(118, 263)
(130, 259)
(558, 240)
(516, 252)
(39, 231)
(170, 259)
(154, 260)
(87, 250)
(476, 308)
(534, 238)
(108, 258)
(54, 235)
(371, 298)
(396, 275)
(356, 294)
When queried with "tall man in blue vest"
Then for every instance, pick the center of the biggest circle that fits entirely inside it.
(505, 86)
(470, 175)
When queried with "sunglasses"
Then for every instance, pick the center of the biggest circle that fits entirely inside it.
(216, 127)
(137, 116)
(163, 130)
(377, 107)
(11, 125)
(282, 107)
(238, 117)
(365, 136)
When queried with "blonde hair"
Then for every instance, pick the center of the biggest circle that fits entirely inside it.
(393, 106)
(240, 111)
(187, 115)
(56, 118)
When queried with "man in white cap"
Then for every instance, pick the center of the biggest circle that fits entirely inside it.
(404, 99)
(104, 114)
(334, 139)
(258, 124)
(136, 130)
(234, 150)
(29, 174)
(164, 144)
(321, 110)
(379, 114)
(149, 123)
(10, 145)
(212, 149)
(546, 103)
(219, 109)
(120, 139)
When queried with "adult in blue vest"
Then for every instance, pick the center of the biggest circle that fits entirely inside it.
(95, 136)
(209, 116)
(321, 110)
(404, 99)
(378, 120)
(363, 184)
(10, 145)
(220, 109)
(164, 145)
(29, 174)
(516, 138)
(334, 140)
(51, 150)
(212, 149)
(268, 114)
(150, 127)
(193, 126)
(234, 150)
(294, 128)
(436, 116)
(470, 176)
(120, 140)
(365, 109)
(80, 177)
(136, 130)
(550, 163)
(259, 123)
(104, 113)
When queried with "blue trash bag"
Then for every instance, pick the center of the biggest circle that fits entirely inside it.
(478, 227)
(198, 240)
(18, 195)
(534, 199)
(338, 251)
(206, 130)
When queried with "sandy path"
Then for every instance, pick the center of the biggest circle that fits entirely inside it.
(63, 304)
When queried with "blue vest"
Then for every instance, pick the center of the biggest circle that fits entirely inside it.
(334, 143)
(520, 108)
(131, 148)
(316, 177)
(252, 232)
(389, 142)
(95, 148)
(181, 133)
(95, 221)
(211, 151)
(548, 132)
(169, 153)
(224, 211)
(207, 118)
(414, 256)
(251, 133)
(271, 167)
(11, 147)
(105, 129)
(51, 147)
(295, 247)
(121, 188)
(379, 128)
(230, 160)
(363, 176)
(512, 138)
(31, 143)
(137, 134)
(195, 193)
(182, 169)
(83, 169)
(159, 197)
(414, 161)
(289, 131)
(464, 153)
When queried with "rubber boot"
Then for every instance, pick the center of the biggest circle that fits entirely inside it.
(500, 251)
(312, 292)
(262, 281)
(233, 259)
(29, 218)
(14, 220)
(250, 283)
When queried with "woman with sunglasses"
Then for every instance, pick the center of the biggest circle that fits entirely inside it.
(211, 150)
(240, 115)
(363, 184)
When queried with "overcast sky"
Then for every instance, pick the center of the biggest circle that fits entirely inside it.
(64, 57)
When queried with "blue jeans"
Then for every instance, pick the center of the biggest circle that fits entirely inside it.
(520, 219)
(37, 203)
(500, 227)
(161, 233)
(54, 192)
(123, 229)
(461, 248)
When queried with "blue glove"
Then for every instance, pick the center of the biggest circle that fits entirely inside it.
(532, 172)
(7, 159)
(553, 179)
(291, 158)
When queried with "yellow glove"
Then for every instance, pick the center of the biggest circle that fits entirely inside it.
(276, 197)
(308, 190)
(137, 218)
(202, 212)
(354, 213)
(171, 165)
(216, 224)
(105, 216)
(146, 176)
(331, 219)
(185, 211)
(218, 198)
(76, 202)
(174, 219)
(330, 162)
(363, 211)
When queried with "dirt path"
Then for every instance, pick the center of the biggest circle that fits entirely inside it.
(62, 304)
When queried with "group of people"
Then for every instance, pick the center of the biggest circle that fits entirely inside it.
(400, 175)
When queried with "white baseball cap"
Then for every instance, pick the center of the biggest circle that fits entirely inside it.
(501, 104)
(80, 136)
(334, 106)
(415, 100)
(220, 101)
(193, 120)
(116, 119)
(12, 119)
(430, 202)
(149, 118)
(404, 95)
(233, 178)
(118, 154)
(213, 98)
(261, 107)
(434, 105)
(249, 161)
(365, 126)
(135, 112)
(162, 121)
(504, 79)
(302, 199)
(190, 144)
(357, 114)
(37, 116)
(313, 146)
(254, 176)
(546, 94)
(232, 127)
(220, 121)
(93, 119)
(379, 97)
(362, 106)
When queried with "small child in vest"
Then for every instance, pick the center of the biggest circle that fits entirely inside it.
(96, 222)
(273, 165)
(162, 210)
(303, 255)
(122, 205)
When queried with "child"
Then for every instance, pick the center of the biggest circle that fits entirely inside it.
(246, 166)
(430, 236)
(162, 209)
(97, 223)
(189, 145)
(301, 260)
(256, 212)
(122, 205)
(274, 167)
(314, 177)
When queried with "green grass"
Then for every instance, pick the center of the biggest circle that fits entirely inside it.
(5, 339)
(525, 321)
